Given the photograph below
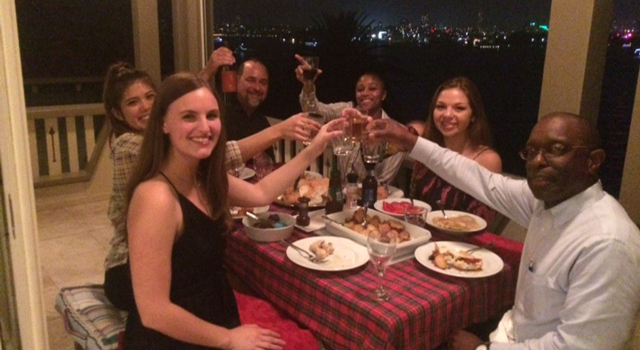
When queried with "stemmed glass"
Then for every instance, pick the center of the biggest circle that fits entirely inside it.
(237, 171)
(263, 165)
(310, 107)
(372, 150)
(381, 251)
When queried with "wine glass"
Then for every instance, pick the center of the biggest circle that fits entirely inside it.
(309, 72)
(416, 215)
(372, 150)
(381, 251)
(263, 165)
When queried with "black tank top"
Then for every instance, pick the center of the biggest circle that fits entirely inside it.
(198, 280)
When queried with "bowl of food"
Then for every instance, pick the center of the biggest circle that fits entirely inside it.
(269, 226)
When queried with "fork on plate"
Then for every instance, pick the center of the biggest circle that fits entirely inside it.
(304, 253)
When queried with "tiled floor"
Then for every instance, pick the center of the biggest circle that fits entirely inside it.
(74, 241)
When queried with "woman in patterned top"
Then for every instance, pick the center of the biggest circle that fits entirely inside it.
(457, 121)
(127, 97)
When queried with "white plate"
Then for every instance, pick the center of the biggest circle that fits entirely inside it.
(419, 235)
(452, 213)
(491, 263)
(317, 222)
(256, 210)
(379, 206)
(347, 254)
(247, 173)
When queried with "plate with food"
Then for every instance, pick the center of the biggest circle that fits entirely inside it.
(238, 213)
(456, 222)
(340, 253)
(451, 258)
(312, 185)
(348, 223)
(397, 206)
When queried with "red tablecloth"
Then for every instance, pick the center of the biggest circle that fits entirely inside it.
(425, 309)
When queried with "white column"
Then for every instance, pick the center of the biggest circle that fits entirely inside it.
(630, 190)
(189, 42)
(576, 55)
(146, 37)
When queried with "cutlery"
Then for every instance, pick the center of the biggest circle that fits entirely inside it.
(364, 221)
(485, 246)
(259, 219)
(444, 215)
(304, 253)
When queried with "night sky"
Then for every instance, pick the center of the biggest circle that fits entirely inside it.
(506, 14)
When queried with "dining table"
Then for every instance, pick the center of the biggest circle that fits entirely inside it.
(426, 308)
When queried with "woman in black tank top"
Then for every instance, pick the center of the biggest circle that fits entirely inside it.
(177, 218)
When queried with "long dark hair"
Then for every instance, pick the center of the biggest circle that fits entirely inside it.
(118, 78)
(479, 132)
(156, 145)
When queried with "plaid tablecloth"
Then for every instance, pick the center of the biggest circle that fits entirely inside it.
(425, 309)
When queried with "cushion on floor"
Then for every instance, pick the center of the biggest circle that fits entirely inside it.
(91, 320)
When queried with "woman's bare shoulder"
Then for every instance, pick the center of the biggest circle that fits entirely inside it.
(155, 193)
(490, 159)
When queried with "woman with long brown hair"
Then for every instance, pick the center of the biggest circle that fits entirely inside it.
(177, 219)
(457, 121)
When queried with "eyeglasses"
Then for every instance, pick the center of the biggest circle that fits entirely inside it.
(551, 151)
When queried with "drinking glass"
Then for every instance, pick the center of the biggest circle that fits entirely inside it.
(381, 251)
(309, 73)
(318, 118)
(416, 215)
(372, 150)
(342, 145)
(237, 171)
(263, 165)
(358, 124)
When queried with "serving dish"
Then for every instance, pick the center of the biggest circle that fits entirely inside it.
(419, 235)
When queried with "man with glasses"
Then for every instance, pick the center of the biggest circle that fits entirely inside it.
(579, 277)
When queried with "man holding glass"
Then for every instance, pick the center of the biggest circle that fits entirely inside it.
(579, 277)
(243, 116)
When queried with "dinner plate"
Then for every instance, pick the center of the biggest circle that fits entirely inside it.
(453, 213)
(309, 174)
(256, 210)
(247, 173)
(347, 254)
(378, 205)
(491, 263)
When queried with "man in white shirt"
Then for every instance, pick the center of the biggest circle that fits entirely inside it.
(579, 277)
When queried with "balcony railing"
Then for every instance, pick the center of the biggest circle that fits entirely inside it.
(65, 142)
